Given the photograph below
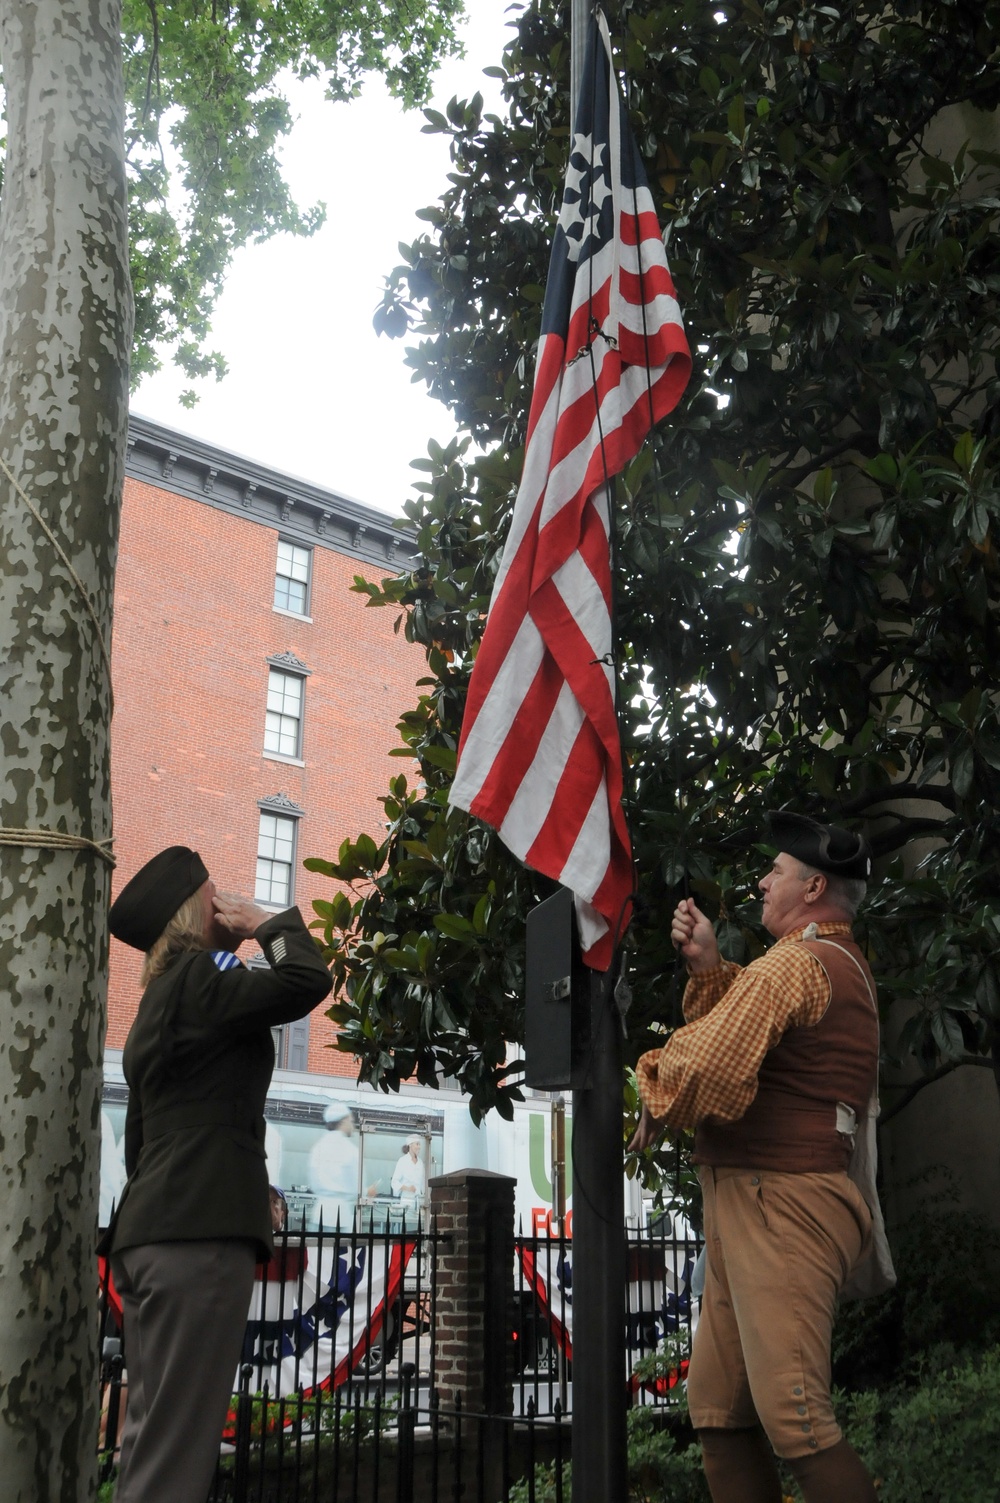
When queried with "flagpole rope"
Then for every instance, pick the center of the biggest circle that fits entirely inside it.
(657, 488)
(593, 330)
(606, 1012)
(675, 989)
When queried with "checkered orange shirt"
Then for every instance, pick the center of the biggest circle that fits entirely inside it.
(708, 1068)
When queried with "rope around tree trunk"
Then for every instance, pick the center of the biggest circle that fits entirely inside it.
(57, 840)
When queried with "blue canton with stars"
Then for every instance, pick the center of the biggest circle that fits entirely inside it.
(586, 219)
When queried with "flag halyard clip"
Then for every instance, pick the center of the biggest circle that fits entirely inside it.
(596, 332)
(623, 1001)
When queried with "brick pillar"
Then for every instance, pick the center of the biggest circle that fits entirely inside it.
(475, 1289)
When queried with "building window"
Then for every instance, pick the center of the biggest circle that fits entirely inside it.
(283, 722)
(291, 578)
(275, 859)
(291, 1045)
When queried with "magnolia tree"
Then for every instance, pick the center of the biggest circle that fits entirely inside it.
(87, 91)
(808, 578)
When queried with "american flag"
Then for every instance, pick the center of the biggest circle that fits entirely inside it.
(658, 1293)
(540, 757)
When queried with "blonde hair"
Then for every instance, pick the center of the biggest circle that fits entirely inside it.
(184, 932)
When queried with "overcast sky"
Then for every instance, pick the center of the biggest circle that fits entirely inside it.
(311, 388)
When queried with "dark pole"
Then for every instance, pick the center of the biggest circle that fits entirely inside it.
(579, 15)
(599, 1379)
(600, 1463)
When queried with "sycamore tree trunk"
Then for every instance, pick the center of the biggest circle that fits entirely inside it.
(65, 332)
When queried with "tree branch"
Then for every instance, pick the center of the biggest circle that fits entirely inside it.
(942, 99)
(885, 661)
(925, 1080)
(820, 461)
(154, 60)
(906, 830)
(935, 793)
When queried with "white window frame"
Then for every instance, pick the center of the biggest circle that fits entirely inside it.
(294, 578)
(277, 719)
(280, 818)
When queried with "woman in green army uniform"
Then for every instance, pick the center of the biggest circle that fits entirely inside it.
(194, 1217)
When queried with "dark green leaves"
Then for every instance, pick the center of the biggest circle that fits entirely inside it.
(808, 555)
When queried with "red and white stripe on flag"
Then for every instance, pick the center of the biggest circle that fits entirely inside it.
(540, 756)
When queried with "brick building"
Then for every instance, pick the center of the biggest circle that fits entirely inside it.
(256, 701)
(256, 698)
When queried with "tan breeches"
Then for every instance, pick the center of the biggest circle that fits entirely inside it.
(779, 1248)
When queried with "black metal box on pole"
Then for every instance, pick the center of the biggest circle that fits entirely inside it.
(556, 997)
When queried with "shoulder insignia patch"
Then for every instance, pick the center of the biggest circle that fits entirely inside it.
(225, 960)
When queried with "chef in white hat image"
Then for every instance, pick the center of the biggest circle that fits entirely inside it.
(409, 1178)
(335, 1168)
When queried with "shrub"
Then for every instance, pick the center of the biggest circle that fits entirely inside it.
(938, 1440)
(944, 1305)
(664, 1464)
(545, 1485)
(935, 1438)
(664, 1461)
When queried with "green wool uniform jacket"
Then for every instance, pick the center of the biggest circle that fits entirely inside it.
(198, 1062)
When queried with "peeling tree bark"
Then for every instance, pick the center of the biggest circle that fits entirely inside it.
(65, 334)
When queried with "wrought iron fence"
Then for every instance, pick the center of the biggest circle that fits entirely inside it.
(337, 1449)
(338, 1313)
(661, 1313)
(345, 1308)
(337, 1395)
(407, 1446)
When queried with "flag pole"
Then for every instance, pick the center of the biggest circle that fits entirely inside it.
(579, 16)
(600, 1442)
(545, 673)
(599, 1449)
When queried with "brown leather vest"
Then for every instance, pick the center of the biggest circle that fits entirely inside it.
(791, 1124)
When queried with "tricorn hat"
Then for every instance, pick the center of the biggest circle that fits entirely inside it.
(145, 906)
(828, 848)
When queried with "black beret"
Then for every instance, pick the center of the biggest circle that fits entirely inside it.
(826, 847)
(145, 906)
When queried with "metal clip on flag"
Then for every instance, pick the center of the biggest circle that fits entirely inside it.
(540, 756)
